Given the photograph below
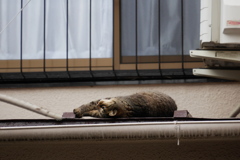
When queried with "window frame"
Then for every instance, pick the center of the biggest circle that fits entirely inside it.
(119, 65)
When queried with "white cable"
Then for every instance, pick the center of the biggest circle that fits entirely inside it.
(14, 17)
(235, 113)
(28, 106)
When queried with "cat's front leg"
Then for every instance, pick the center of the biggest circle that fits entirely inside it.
(93, 113)
(80, 111)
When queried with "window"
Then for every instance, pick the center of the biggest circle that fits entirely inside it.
(89, 39)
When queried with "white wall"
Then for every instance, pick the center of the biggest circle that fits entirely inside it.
(208, 100)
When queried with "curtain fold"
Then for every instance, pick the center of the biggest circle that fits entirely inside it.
(164, 16)
(147, 22)
(55, 29)
(32, 30)
(10, 38)
(171, 36)
(79, 28)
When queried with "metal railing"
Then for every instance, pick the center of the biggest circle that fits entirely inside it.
(91, 74)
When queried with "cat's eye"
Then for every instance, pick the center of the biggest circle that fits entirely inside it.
(103, 107)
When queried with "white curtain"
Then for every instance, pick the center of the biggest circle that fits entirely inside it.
(10, 38)
(147, 15)
(55, 29)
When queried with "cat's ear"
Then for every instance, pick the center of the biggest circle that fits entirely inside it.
(113, 113)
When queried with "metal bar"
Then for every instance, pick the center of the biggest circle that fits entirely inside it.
(120, 30)
(124, 122)
(143, 130)
(182, 40)
(136, 25)
(21, 40)
(113, 46)
(159, 38)
(44, 38)
(67, 65)
(90, 38)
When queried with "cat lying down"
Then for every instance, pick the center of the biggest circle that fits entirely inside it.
(143, 104)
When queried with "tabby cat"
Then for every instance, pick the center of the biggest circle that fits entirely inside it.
(143, 104)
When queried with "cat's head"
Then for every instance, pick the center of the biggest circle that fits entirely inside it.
(108, 107)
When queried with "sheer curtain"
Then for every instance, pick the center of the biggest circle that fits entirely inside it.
(55, 27)
(147, 15)
(10, 38)
(146, 23)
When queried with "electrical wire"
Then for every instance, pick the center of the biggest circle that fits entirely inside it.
(14, 17)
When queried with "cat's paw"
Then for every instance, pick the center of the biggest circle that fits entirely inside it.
(77, 112)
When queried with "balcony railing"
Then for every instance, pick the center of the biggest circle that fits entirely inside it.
(130, 58)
